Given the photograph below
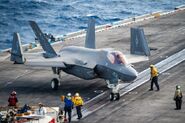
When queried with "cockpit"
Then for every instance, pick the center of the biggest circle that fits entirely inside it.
(117, 57)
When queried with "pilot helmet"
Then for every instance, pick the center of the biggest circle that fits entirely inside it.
(77, 94)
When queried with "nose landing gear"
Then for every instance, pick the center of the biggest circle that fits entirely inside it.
(114, 95)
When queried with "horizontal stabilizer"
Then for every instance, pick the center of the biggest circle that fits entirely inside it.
(90, 34)
(139, 45)
(16, 51)
(50, 53)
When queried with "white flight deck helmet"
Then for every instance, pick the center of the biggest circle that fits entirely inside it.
(178, 87)
(13, 93)
(152, 66)
(69, 94)
(77, 94)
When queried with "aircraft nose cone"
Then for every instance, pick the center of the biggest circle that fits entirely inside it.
(132, 73)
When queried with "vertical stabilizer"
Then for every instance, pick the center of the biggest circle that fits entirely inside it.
(16, 52)
(43, 40)
(139, 45)
(90, 34)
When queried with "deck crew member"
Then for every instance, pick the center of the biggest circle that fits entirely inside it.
(68, 106)
(154, 77)
(13, 99)
(178, 97)
(42, 109)
(78, 102)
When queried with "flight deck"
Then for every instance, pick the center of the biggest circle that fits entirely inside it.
(165, 36)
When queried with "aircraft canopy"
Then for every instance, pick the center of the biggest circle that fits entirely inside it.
(117, 57)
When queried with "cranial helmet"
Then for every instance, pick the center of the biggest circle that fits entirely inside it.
(178, 87)
(13, 93)
(151, 65)
(76, 94)
(69, 94)
(40, 104)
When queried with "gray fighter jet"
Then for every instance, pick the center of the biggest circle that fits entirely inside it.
(86, 62)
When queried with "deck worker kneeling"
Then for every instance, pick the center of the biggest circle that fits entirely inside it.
(178, 97)
(78, 102)
(154, 77)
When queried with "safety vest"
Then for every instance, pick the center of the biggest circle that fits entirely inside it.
(154, 72)
(178, 93)
(78, 101)
(68, 102)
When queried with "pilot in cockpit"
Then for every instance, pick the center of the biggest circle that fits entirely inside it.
(117, 57)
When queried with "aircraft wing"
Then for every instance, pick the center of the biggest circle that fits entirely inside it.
(35, 60)
(33, 55)
(45, 63)
(135, 58)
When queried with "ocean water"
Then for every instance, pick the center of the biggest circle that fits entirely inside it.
(60, 17)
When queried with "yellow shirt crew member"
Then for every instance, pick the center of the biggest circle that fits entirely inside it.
(154, 71)
(154, 77)
(78, 102)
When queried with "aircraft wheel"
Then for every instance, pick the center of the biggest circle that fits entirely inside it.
(111, 96)
(54, 84)
(117, 96)
(114, 96)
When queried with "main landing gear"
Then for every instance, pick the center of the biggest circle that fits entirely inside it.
(114, 95)
(55, 83)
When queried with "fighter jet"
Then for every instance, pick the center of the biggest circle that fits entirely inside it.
(85, 62)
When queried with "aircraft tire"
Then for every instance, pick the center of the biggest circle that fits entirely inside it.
(54, 84)
(111, 96)
(117, 96)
